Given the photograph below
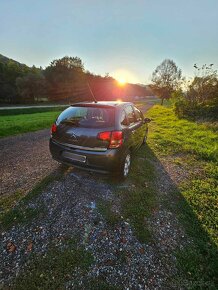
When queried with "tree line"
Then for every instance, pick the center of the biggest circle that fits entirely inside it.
(64, 80)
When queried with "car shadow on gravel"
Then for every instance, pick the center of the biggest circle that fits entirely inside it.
(90, 209)
(196, 255)
(175, 229)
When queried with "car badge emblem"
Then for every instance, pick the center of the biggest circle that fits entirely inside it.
(73, 135)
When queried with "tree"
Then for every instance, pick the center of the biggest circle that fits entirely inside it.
(166, 79)
(10, 71)
(204, 88)
(201, 97)
(31, 87)
(64, 76)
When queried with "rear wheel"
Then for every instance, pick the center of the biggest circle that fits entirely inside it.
(125, 165)
(145, 138)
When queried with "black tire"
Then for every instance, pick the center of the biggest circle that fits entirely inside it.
(145, 138)
(125, 165)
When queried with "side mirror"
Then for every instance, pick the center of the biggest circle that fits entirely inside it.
(147, 120)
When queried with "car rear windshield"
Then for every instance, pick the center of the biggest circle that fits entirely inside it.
(87, 117)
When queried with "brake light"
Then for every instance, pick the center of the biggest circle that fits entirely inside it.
(53, 128)
(104, 136)
(115, 138)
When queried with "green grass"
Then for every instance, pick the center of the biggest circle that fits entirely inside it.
(105, 208)
(17, 121)
(173, 135)
(193, 147)
(98, 284)
(9, 201)
(31, 110)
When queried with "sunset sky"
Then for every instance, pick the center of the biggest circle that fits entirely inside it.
(124, 38)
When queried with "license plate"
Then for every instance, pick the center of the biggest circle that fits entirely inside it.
(74, 157)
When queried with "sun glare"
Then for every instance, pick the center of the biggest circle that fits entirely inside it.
(124, 76)
(121, 81)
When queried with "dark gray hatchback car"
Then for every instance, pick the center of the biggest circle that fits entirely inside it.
(99, 136)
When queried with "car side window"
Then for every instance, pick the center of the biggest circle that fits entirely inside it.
(123, 119)
(138, 114)
(130, 114)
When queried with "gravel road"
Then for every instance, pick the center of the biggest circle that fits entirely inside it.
(70, 209)
(25, 159)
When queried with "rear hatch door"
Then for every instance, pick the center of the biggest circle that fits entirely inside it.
(79, 126)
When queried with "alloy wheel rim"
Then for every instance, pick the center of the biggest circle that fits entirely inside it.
(127, 165)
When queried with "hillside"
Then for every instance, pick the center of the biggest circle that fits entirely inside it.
(10, 71)
(5, 60)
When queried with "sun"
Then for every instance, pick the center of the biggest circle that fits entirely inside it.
(121, 81)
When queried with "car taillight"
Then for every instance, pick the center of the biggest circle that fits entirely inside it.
(104, 136)
(53, 128)
(115, 138)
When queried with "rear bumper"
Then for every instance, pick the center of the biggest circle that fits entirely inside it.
(104, 162)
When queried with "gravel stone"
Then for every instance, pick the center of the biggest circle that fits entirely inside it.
(119, 258)
(25, 160)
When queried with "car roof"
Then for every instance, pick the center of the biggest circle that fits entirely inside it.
(102, 104)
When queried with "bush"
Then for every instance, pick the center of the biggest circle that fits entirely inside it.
(183, 108)
(201, 98)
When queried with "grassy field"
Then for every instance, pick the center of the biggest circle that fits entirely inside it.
(17, 121)
(193, 149)
(190, 149)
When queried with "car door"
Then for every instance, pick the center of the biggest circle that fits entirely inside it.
(142, 127)
(133, 127)
(127, 135)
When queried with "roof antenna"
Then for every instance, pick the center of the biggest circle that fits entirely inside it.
(91, 92)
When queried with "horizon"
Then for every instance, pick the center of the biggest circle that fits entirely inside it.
(127, 40)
